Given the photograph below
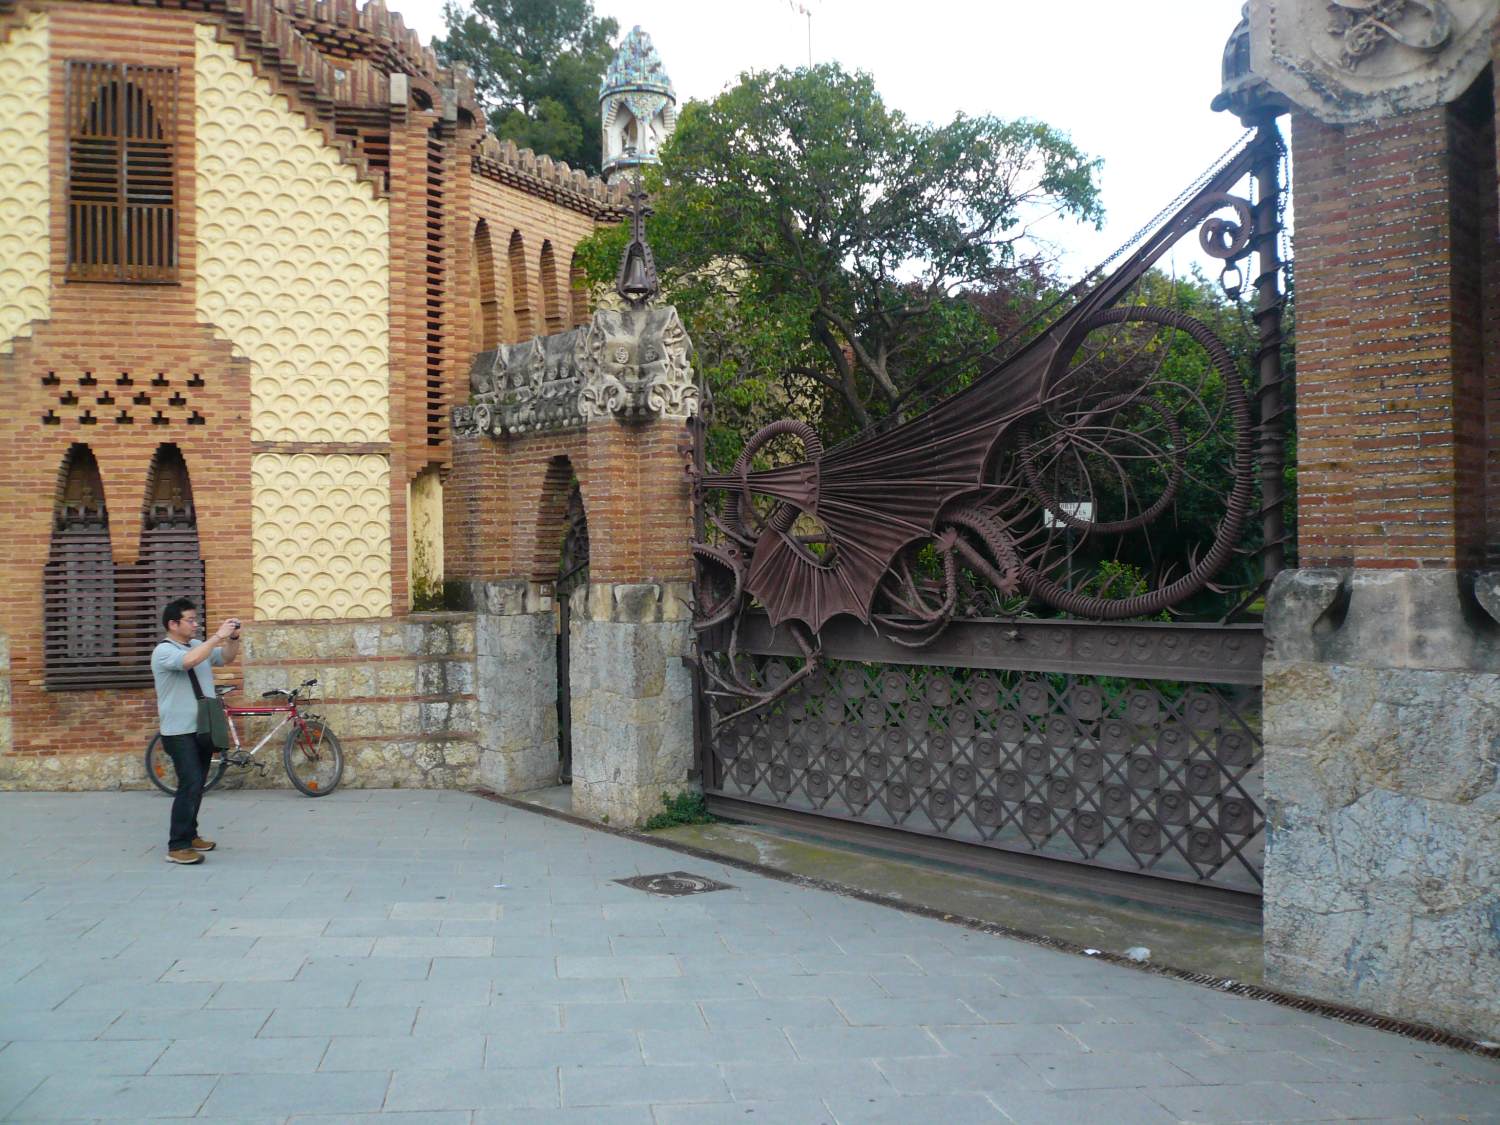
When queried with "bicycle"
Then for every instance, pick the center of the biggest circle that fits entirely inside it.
(313, 758)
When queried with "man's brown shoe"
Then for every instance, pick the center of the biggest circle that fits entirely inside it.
(202, 845)
(184, 855)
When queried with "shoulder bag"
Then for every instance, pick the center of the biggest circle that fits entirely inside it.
(212, 720)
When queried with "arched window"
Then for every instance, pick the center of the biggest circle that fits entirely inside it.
(552, 313)
(578, 293)
(121, 186)
(487, 335)
(78, 582)
(520, 292)
(170, 565)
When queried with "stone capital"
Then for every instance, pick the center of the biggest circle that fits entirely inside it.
(1376, 618)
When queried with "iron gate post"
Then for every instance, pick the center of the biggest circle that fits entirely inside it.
(1269, 375)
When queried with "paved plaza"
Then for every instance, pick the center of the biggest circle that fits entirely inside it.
(355, 956)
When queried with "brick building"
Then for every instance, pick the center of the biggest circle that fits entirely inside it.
(248, 249)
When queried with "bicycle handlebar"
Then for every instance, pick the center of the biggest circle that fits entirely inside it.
(292, 694)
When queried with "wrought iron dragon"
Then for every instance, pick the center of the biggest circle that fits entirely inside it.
(976, 483)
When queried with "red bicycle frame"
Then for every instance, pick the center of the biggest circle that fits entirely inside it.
(287, 708)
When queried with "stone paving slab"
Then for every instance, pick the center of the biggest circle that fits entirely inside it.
(353, 957)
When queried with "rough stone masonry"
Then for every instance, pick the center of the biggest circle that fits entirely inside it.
(1382, 683)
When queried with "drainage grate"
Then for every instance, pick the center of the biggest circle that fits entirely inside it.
(674, 884)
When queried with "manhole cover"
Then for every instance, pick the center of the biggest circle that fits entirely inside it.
(674, 883)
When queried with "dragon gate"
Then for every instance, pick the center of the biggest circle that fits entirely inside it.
(983, 624)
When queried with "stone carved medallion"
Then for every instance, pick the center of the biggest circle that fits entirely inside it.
(1358, 60)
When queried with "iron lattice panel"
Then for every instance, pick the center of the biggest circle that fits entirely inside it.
(1141, 775)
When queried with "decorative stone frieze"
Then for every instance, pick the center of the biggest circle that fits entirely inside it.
(1357, 60)
(629, 364)
(637, 362)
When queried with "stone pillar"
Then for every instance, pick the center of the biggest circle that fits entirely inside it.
(516, 684)
(1382, 677)
(1382, 733)
(608, 401)
(632, 699)
(631, 690)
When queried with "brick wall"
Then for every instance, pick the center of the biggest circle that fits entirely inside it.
(508, 212)
(408, 330)
(109, 334)
(1395, 251)
(505, 501)
(117, 342)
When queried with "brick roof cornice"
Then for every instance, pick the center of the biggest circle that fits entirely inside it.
(281, 39)
(550, 179)
(289, 43)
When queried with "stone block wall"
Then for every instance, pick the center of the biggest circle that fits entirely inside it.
(400, 693)
(516, 685)
(1382, 727)
(632, 700)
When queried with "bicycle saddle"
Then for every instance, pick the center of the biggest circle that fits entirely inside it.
(225, 689)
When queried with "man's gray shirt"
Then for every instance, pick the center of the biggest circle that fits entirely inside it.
(175, 701)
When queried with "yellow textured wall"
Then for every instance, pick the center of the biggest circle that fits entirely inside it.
(424, 533)
(322, 535)
(293, 260)
(23, 179)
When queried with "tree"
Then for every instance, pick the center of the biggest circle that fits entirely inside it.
(796, 211)
(536, 66)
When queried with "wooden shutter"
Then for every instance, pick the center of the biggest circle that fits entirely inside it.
(122, 199)
(78, 583)
(101, 620)
(170, 565)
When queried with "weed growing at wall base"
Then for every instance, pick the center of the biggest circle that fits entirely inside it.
(686, 807)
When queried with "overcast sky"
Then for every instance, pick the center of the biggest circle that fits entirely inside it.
(1130, 82)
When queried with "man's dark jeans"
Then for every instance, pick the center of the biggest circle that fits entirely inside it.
(190, 754)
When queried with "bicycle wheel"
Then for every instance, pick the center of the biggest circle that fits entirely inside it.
(314, 759)
(163, 774)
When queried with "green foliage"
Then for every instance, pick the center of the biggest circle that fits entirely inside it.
(536, 66)
(686, 807)
(426, 588)
(1190, 526)
(816, 242)
(838, 263)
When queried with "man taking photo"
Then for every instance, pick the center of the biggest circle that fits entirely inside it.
(172, 662)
